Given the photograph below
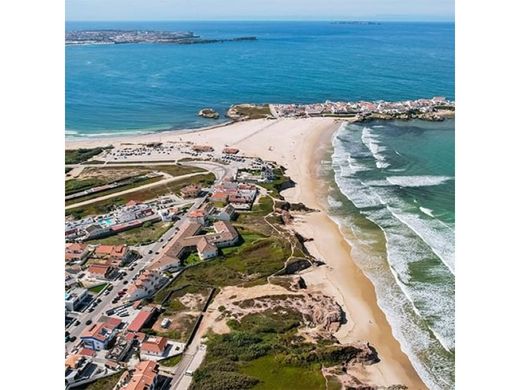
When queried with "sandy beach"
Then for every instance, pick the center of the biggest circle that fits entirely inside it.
(300, 145)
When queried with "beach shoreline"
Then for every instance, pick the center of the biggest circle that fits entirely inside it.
(300, 145)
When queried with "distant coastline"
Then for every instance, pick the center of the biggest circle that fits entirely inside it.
(120, 37)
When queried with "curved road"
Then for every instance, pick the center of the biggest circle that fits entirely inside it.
(150, 185)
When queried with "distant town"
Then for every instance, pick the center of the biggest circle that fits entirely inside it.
(107, 37)
(435, 109)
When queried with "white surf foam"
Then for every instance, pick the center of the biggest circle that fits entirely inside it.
(371, 142)
(418, 181)
(406, 320)
(428, 212)
(420, 311)
(334, 203)
(434, 233)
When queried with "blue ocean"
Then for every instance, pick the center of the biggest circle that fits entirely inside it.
(121, 88)
(392, 184)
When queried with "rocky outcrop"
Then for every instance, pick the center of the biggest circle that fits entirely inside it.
(209, 113)
(294, 266)
(242, 112)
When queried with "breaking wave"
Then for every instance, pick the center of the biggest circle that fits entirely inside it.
(414, 273)
(418, 181)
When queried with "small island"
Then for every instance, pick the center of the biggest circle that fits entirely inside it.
(209, 113)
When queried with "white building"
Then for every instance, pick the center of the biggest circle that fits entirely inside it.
(146, 284)
(74, 298)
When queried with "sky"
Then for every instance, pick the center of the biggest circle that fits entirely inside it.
(392, 10)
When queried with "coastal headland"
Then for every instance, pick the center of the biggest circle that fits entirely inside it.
(119, 37)
(437, 108)
(300, 145)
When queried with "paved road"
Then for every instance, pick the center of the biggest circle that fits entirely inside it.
(118, 285)
(180, 369)
(219, 170)
(150, 185)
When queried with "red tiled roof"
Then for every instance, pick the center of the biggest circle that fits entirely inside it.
(99, 269)
(111, 250)
(87, 352)
(155, 344)
(139, 321)
(143, 377)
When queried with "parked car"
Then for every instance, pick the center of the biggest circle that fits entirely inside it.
(125, 282)
(77, 322)
(88, 322)
(72, 339)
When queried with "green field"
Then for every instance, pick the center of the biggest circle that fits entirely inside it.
(264, 206)
(105, 206)
(251, 261)
(144, 235)
(92, 177)
(134, 183)
(261, 352)
(278, 184)
(171, 362)
(276, 376)
(97, 289)
(76, 185)
(78, 156)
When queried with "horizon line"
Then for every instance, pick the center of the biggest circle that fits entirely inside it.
(270, 20)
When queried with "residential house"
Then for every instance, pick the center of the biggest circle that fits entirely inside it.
(100, 271)
(98, 336)
(76, 252)
(190, 191)
(206, 249)
(154, 346)
(146, 284)
(144, 377)
(116, 254)
(225, 214)
(142, 319)
(219, 197)
(75, 297)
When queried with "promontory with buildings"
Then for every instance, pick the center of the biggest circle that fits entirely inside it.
(435, 109)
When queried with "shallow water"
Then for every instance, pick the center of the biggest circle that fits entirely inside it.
(393, 193)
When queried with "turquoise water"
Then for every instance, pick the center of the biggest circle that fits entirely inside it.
(116, 88)
(394, 197)
(107, 221)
